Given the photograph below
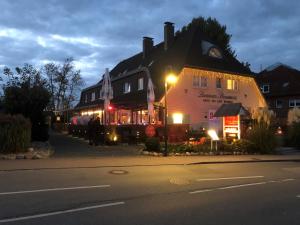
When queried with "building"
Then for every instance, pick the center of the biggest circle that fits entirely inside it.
(280, 84)
(208, 77)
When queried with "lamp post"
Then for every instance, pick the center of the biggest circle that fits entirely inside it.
(170, 79)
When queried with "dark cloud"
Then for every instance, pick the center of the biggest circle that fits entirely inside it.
(98, 34)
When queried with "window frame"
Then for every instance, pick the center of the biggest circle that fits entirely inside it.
(93, 96)
(127, 87)
(220, 83)
(263, 88)
(140, 83)
(278, 106)
(234, 85)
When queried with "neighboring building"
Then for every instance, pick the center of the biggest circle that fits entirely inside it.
(207, 78)
(280, 84)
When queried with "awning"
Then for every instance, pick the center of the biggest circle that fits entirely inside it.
(231, 109)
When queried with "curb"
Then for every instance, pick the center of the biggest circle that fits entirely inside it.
(153, 165)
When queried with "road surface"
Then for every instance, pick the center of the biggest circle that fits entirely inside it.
(247, 193)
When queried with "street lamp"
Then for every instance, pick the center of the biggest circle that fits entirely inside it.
(170, 79)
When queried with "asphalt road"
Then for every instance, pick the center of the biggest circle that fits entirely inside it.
(248, 193)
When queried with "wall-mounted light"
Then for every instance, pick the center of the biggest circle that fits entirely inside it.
(177, 118)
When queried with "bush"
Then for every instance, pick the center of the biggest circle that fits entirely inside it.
(15, 133)
(152, 144)
(263, 138)
(294, 134)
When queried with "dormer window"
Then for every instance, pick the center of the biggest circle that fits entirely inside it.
(265, 88)
(215, 53)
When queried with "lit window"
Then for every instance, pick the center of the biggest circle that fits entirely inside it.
(265, 88)
(93, 96)
(232, 85)
(278, 103)
(141, 83)
(294, 103)
(127, 87)
(177, 118)
(218, 83)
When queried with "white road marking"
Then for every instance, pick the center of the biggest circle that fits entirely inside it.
(201, 191)
(298, 196)
(60, 212)
(229, 178)
(53, 189)
(241, 185)
(289, 179)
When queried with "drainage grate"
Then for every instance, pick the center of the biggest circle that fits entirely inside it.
(118, 172)
(179, 181)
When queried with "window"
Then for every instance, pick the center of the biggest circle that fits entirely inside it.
(199, 81)
(278, 103)
(93, 96)
(265, 88)
(294, 103)
(214, 52)
(232, 84)
(196, 81)
(127, 87)
(218, 83)
(141, 83)
(86, 98)
(203, 82)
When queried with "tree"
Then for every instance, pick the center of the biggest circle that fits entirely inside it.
(213, 30)
(26, 93)
(64, 82)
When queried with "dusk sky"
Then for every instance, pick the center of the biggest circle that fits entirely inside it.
(99, 34)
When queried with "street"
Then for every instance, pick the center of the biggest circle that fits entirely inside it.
(239, 193)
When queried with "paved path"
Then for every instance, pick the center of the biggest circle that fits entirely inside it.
(71, 147)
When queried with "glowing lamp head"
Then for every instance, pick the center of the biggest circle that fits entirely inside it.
(110, 107)
(171, 78)
(213, 135)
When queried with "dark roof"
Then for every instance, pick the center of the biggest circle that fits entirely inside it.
(185, 51)
(232, 109)
(283, 81)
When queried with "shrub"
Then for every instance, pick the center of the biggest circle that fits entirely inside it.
(294, 134)
(152, 144)
(15, 133)
(263, 138)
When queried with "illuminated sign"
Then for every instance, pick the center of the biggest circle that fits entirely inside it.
(231, 126)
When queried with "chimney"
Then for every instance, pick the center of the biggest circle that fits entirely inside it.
(168, 34)
(147, 46)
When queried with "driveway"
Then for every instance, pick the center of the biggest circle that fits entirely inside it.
(66, 146)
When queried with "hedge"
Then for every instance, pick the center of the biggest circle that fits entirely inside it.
(15, 134)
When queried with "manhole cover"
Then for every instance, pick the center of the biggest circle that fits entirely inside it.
(179, 181)
(118, 172)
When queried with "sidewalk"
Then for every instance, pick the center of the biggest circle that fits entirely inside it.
(131, 161)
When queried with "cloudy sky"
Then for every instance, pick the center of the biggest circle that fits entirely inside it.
(100, 33)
